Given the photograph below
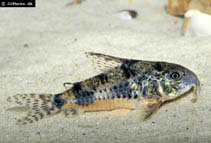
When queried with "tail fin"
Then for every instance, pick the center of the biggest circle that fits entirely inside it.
(39, 106)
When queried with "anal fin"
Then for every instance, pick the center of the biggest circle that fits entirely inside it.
(71, 111)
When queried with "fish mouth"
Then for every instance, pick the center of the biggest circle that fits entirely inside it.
(188, 89)
(191, 83)
(192, 87)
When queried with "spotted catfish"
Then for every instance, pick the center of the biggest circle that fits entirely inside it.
(122, 84)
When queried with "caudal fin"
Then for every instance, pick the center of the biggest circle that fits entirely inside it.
(39, 106)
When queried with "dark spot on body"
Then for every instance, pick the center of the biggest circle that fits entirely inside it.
(130, 62)
(129, 96)
(140, 79)
(115, 87)
(144, 92)
(126, 84)
(158, 66)
(85, 93)
(79, 101)
(94, 88)
(155, 86)
(124, 92)
(120, 86)
(103, 78)
(118, 96)
(135, 96)
(77, 87)
(126, 71)
(85, 98)
(58, 101)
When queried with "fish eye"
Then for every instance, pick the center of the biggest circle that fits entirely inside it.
(175, 75)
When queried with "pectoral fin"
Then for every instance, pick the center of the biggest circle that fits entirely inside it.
(147, 107)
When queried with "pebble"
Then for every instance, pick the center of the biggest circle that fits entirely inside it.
(128, 14)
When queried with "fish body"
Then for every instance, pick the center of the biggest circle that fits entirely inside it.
(123, 84)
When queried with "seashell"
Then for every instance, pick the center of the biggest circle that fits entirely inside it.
(198, 23)
(127, 14)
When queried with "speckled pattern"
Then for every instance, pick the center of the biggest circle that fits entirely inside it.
(130, 84)
(57, 38)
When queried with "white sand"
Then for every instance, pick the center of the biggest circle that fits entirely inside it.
(58, 36)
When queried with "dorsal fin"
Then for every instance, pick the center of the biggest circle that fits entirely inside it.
(104, 62)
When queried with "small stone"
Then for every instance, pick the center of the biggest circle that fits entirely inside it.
(128, 14)
(26, 46)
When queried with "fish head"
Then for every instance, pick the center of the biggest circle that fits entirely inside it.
(178, 80)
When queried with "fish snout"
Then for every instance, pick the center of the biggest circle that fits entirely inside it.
(193, 82)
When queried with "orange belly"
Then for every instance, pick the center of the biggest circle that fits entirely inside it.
(104, 105)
